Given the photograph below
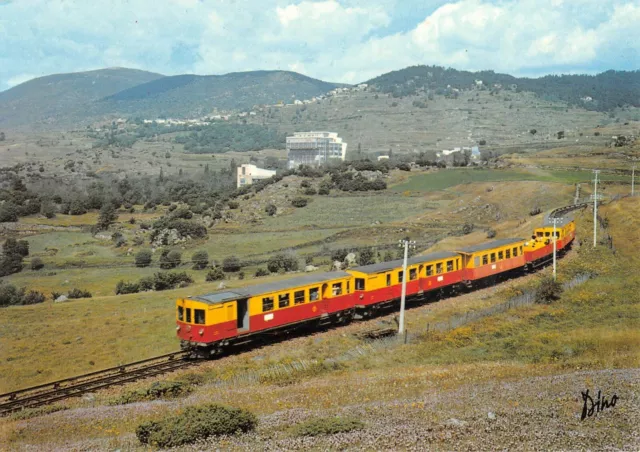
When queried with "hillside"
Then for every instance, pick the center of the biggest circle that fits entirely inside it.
(80, 98)
(608, 90)
(46, 99)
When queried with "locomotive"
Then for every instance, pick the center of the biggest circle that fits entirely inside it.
(210, 323)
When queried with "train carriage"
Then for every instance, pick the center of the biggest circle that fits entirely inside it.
(492, 258)
(382, 282)
(220, 318)
(539, 249)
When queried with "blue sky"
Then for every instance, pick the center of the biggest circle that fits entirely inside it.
(336, 40)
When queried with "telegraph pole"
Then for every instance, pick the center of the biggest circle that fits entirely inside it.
(595, 207)
(633, 178)
(404, 243)
(555, 220)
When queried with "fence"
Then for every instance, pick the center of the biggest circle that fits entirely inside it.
(284, 370)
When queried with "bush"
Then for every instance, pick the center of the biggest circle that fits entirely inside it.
(195, 423)
(170, 259)
(33, 297)
(305, 184)
(233, 204)
(549, 290)
(215, 274)
(262, 272)
(231, 264)
(79, 293)
(36, 263)
(367, 256)
(535, 211)
(327, 426)
(165, 280)
(339, 254)
(271, 210)
(157, 390)
(299, 202)
(491, 234)
(127, 287)
(310, 191)
(143, 258)
(283, 262)
(146, 283)
(200, 260)
(467, 228)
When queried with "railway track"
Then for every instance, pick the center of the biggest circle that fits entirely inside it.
(75, 386)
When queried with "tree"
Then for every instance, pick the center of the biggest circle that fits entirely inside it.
(231, 264)
(170, 259)
(8, 213)
(281, 261)
(36, 263)
(200, 260)
(107, 216)
(367, 256)
(215, 274)
(143, 258)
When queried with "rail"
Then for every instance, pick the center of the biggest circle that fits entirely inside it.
(75, 386)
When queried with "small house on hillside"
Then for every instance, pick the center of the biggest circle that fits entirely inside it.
(248, 173)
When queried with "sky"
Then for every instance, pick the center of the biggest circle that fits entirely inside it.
(346, 41)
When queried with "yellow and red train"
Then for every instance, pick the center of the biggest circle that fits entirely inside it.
(207, 324)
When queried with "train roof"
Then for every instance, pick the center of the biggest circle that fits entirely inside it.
(275, 286)
(488, 245)
(386, 266)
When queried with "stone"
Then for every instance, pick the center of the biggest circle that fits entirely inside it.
(337, 265)
(222, 286)
(491, 415)
(350, 259)
(310, 268)
(61, 299)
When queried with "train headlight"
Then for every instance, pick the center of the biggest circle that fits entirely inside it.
(201, 331)
(178, 328)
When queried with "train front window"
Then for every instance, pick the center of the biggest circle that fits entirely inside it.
(198, 316)
(359, 283)
(298, 297)
(188, 315)
(283, 300)
(267, 304)
(180, 313)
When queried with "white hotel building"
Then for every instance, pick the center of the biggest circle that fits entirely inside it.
(314, 148)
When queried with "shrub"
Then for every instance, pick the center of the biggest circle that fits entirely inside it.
(137, 240)
(262, 272)
(8, 213)
(310, 191)
(327, 426)
(132, 220)
(170, 259)
(231, 264)
(33, 297)
(467, 228)
(271, 210)
(549, 290)
(157, 390)
(146, 283)
(339, 254)
(299, 202)
(79, 293)
(491, 234)
(195, 423)
(127, 287)
(281, 261)
(535, 211)
(182, 213)
(200, 260)
(367, 256)
(241, 275)
(36, 263)
(165, 280)
(143, 258)
(233, 204)
(215, 274)
(305, 184)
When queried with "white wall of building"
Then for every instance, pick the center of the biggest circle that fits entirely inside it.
(248, 173)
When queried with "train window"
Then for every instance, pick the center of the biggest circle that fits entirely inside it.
(400, 276)
(508, 254)
(520, 249)
(188, 315)
(429, 270)
(476, 261)
(359, 283)
(457, 264)
(557, 233)
(267, 304)
(485, 259)
(547, 234)
(539, 233)
(298, 297)
(336, 289)
(348, 286)
(500, 255)
(493, 257)
(180, 313)
(283, 300)
(314, 294)
(413, 273)
(388, 279)
(438, 268)
(198, 315)
(515, 251)
(449, 266)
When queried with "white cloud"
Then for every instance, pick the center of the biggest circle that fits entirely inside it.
(346, 40)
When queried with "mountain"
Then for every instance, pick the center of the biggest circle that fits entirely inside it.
(73, 99)
(196, 95)
(47, 99)
(601, 92)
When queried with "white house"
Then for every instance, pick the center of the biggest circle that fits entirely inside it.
(248, 173)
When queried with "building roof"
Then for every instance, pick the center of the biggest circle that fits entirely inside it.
(488, 245)
(275, 286)
(386, 266)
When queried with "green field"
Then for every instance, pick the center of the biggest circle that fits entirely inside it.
(444, 179)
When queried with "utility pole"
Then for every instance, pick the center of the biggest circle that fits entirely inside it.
(555, 220)
(404, 243)
(633, 178)
(595, 207)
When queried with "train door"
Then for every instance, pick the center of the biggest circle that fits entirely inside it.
(324, 303)
(242, 313)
